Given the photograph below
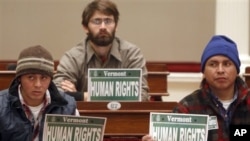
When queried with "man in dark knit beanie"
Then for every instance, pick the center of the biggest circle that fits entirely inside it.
(35, 59)
(222, 95)
(31, 95)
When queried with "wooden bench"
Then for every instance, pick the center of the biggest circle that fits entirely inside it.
(157, 78)
(246, 75)
(6, 78)
(131, 120)
(156, 81)
(5, 63)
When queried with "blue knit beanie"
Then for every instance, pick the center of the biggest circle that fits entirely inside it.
(221, 45)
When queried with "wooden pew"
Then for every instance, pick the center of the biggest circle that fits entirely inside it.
(5, 63)
(6, 78)
(156, 80)
(131, 120)
(157, 77)
(246, 75)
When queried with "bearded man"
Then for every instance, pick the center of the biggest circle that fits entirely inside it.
(101, 49)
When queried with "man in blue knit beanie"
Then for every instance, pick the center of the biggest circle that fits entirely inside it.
(221, 45)
(222, 95)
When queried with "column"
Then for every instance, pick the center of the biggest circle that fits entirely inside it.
(232, 19)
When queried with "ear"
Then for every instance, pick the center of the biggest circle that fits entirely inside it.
(86, 30)
(116, 27)
(18, 80)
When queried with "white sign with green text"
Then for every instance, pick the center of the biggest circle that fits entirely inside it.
(178, 127)
(73, 128)
(114, 84)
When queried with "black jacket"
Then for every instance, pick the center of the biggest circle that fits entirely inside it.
(15, 126)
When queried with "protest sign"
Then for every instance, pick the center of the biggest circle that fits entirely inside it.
(178, 127)
(73, 128)
(114, 84)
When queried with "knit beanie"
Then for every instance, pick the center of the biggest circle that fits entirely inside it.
(35, 59)
(221, 45)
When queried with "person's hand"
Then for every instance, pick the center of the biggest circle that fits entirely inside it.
(147, 138)
(68, 86)
(86, 96)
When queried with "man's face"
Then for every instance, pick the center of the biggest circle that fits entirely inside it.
(33, 88)
(101, 29)
(220, 72)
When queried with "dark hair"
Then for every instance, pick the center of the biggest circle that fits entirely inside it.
(104, 6)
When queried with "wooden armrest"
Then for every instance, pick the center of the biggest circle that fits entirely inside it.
(158, 94)
(246, 74)
(158, 72)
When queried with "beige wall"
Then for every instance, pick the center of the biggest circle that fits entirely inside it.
(165, 30)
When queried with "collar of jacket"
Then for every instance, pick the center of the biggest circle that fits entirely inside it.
(57, 98)
(240, 85)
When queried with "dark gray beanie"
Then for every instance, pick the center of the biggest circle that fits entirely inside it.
(35, 59)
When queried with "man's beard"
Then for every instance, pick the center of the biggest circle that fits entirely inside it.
(101, 40)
